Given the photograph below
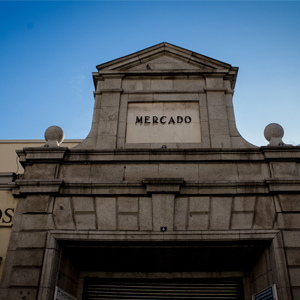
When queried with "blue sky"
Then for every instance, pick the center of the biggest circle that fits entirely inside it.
(49, 49)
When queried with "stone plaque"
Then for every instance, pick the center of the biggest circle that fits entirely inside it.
(163, 122)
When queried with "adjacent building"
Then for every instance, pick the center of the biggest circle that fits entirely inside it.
(163, 199)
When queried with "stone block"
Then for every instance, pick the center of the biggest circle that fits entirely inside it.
(111, 83)
(11, 240)
(21, 293)
(106, 142)
(288, 221)
(197, 221)
(252, 171)
(36, 203)
(214, 82)
(242, 221)
(291, 238)
(295, 276)
(28, 257)
(220, 213)
(75, 172)
(136, 172)
(63, 213)
(109, 113)
(233, 130)
(122, 130)
(203, 114)
(120, 143)
(264, 213)
(217, 172)
(128, 204)
(186, 171)
(107, 173)
(180, 215)
(123, 114)
(244, 203)
(106, 213)
(136, 85)
(145, 213)
(83, 204)
(289, 202)
(110, 99)
(217, 112)
(41, 171)
(107, 128)
(163, 210)
(128, 221)
(188, 85)
(161, 85)
(219, 127)
(293, 257)
(85, 221)
(285, 169)
(220, 141)
(25, 277)
(215, 98)
(37, 222)
(32, 239)
(199, 204)
(296, 293)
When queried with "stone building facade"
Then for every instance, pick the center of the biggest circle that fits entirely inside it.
(163, 197)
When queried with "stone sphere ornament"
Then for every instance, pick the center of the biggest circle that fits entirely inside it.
(54, 136)
(274, 133)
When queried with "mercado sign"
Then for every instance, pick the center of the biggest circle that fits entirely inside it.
(163, 122)
(269, 293)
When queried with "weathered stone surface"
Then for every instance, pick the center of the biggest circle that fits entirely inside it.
(32, 239)
(29, 258)
(293, 257)
(180, 214)
(197, 221)
(288, 221)
(40, 171)
(294, 276)
(291, 238)
(21, 294)
(128, 204)
(106, 213)
(242, 221)
(85, 221)
(244, 203)
(220, 213)
(199, 204)
(265, 213)
(83, 204)
(163, 210)
(145, 213)
(128, 222)
(25, 277)
(289, 202)
(37, 222)
(37, 203)
(285, 169)
(63, 213)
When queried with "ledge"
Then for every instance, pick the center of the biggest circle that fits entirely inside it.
(25, 186)
(163, 185)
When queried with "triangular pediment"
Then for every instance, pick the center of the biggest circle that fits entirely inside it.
(164, 57)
